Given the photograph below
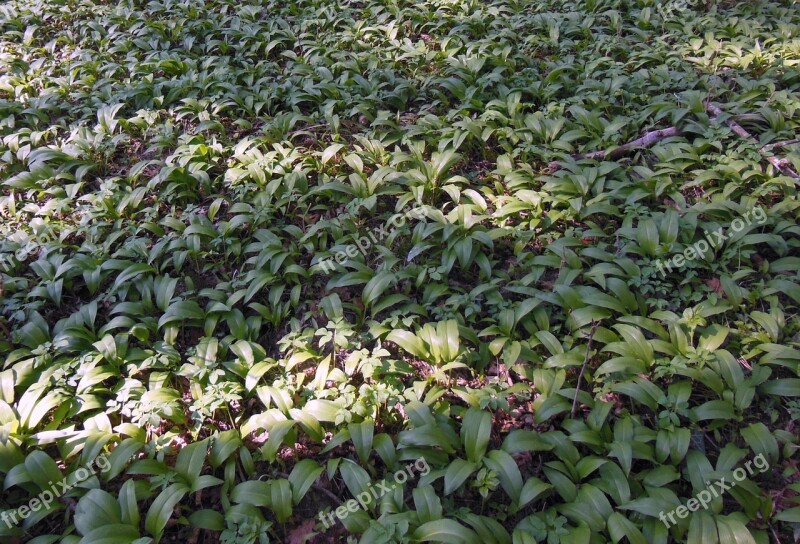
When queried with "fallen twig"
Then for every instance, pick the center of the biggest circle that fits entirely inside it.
(780, 145)
(583, 368)
(648, 140)
(653, 137)
(781, 164)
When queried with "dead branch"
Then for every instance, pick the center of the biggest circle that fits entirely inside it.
(648, 140)
(782, 165)
(780, 145)
(583, 368)
(653, 137)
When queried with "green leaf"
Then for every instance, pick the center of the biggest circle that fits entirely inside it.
(620, 527)
(182, 310)
(132, 271)
(457, 473)
(361, 435)
(376, 286)
(714, 409)
(322, 410)
(42, 469)
(520, 440)
(302, 477)
(96, 509)
(786, 387)
(207, 519)
(409, 342)
(702, 528)
(532, 489)
(445, 531)
(277, 432)
(732, 531)
(427, 504)
(355, 478)
(281, 499)
(790, 515)
(507, 472)
(121, 456)
(111, 534)
(254, 492)
(161, 510)
(225, 444)
(475, 433)
(128, 506)
(761, 441)
(330, 152)
(190, 460)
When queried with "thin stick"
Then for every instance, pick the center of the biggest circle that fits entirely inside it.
(781, 164)
(780, 145)
(307, 129)
(648, 140)
(653, 137)
(775, 534)
(583, 368)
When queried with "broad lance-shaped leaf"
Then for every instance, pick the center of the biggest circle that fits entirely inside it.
(761, 441)
(118, 533)
(302, 477)
(445, 531)
(160, 511)
(457, 473)
(96, 509)
(182, 310)
(427, 504)
(520, 440)
(702, 528)
(224, 445)
(376, 286)
(281, 499)
(620, 527)
(409, 342)
(190, 460)
(733, 530)
(475, 433)
(355, 478)
(361, 435)
(786, 387)
(714, 409)
(129, 508)
(427, 435)
(532, 489)
(322, 410)
(507, 472)
(42, 469)
(330, 152)
(133, 271)
(254, 492)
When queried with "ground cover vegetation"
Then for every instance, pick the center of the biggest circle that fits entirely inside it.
(198, 345)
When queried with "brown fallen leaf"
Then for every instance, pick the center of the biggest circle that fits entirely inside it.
(716, 285)
(302, 533)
